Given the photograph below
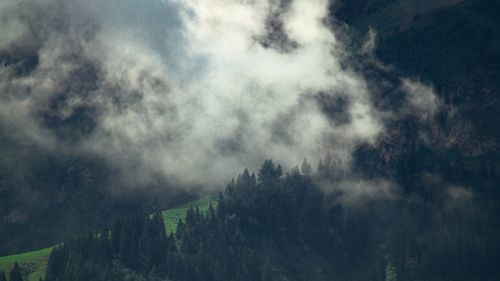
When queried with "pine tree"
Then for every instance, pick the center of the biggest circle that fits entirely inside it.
(267, 271)
(390, 271)
(321, 166)
(116, 238)
(221, 207)
(2, 276)
(15, 273)
(279, 171)
(125, 251)
(269, 172)
(306, 168)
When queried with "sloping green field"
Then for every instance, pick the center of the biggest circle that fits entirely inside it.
(171, 216)
(34, 263)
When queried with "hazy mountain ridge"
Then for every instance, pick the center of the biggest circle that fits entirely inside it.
(454, 48)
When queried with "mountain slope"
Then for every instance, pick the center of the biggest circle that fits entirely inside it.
(387, 16)
(274, 227)
(456, 48)
(34, 263)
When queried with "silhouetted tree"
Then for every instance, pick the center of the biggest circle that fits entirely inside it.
(2, 276)
(15, 273)
(268, 172)
(306, 168)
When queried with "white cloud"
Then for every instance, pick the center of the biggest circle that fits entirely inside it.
(421, 98)
(356, 192)
(188, 92)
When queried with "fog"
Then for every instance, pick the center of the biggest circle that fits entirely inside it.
(194, 91)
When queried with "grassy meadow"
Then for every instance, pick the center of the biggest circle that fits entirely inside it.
(34, 263)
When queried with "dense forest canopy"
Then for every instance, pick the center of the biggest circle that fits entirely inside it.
(284, 227)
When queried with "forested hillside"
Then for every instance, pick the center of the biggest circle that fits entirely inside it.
(112, 112)
(284, 227)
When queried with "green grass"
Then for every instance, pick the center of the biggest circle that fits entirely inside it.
(171, 216)
(34, 263)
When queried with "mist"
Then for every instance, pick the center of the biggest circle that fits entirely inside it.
(193, 91)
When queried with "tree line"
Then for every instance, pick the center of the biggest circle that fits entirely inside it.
(276, 226)
(15, 274)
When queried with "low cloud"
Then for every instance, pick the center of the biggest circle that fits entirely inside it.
(421, 98)
(190, 90)
(358, 192)
(458, 193)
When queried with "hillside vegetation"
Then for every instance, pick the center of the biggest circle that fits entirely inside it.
(275, 227)
(34, 263)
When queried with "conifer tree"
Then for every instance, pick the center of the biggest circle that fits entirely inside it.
(266, 171)
(306, 168)
(15, 273)
(116, 237)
